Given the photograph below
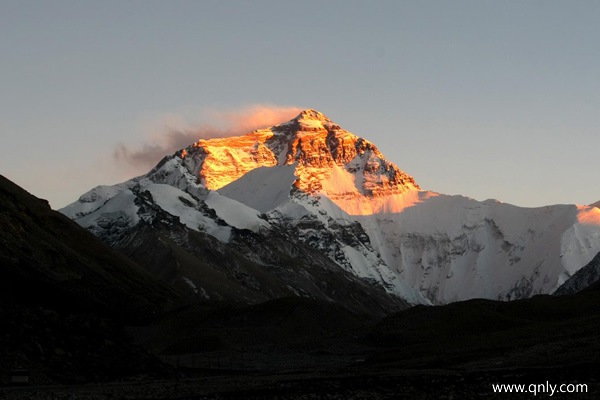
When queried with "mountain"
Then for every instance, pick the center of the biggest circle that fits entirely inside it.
(65, 297)
(528, 340)
(304, 207)
(42, 250)
(582, 279)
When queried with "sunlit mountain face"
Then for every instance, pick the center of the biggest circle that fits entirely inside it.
(324, 159)
(310, 183)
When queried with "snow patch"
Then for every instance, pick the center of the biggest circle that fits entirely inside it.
(235, 213)
(581, 242)
(263, 188)
(91, 201)
(191, 284)
(182, 205)
(120, 207)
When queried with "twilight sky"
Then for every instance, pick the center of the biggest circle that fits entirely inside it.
(488, 99)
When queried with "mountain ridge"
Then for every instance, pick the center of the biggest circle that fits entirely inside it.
(335, 192)
(311, 141)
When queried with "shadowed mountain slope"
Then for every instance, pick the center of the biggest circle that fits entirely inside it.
(541, 332)
(65, 295)
(41, 250)
(583, 278)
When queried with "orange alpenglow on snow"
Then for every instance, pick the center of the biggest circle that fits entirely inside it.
(589, 215)
(328, 160)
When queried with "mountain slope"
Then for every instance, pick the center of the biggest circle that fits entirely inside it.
(327, 190)
(584, 278)
(42, 249)
(65, 297)
(552, 333)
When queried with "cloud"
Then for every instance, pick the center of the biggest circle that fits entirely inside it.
(172, 132)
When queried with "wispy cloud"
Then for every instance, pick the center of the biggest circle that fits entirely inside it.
(172, 132)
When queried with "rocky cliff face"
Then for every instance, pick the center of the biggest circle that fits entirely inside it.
(313, 144)
(316, 186)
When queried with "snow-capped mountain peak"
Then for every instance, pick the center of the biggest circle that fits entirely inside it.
(321, 186)
(327, 159)
(312, 115)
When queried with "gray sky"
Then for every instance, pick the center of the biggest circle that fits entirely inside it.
(489, 99)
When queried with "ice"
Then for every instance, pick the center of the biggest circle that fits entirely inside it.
(119, 207)
(170, 199)
(235, 213)
(263, 188)
(91, 201)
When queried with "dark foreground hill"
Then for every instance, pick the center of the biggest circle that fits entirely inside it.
(65, 296)
(541, 332)
(306, 349)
